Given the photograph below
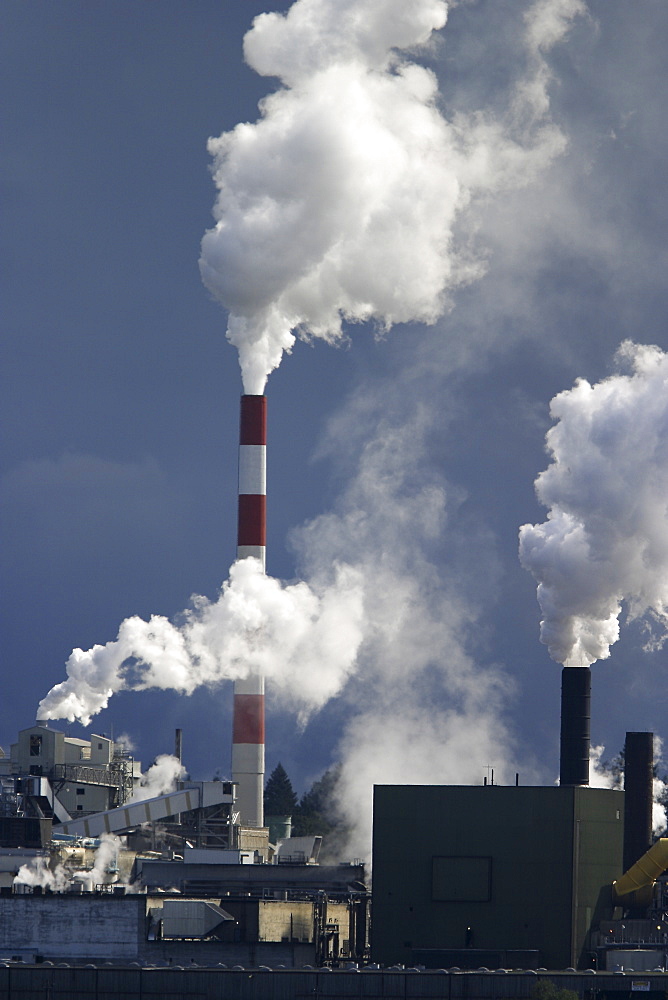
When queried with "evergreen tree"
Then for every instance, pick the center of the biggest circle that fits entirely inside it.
(317, 808)
(279, 796)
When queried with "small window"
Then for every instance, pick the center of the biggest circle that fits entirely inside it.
(81, 791)
(461, 879)
(35, 746)
(100, 746)
(79, 808)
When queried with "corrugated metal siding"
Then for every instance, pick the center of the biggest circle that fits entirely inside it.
(132, 983)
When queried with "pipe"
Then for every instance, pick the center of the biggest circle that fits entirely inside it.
(575, 726)
(248, 723)
(638, 795)
(645, 871)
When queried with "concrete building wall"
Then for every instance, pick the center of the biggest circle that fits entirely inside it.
(38, 747)
(78, 796)
(285, 921)
(75, 751)
(598, 850)
(101, 750)
(102, 928)
(338, 913)
(76, 927)
(492, 868)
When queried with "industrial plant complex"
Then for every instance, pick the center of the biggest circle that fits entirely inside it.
(107, 888)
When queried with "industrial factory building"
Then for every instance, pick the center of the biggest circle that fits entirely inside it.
(563, 877)
(499, 877)
(91, 870)
(176, 878)
(85, 776)
(181, 881)
(520, 877)
(162, 929)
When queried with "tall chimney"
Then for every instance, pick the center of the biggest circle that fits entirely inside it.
(248, 724)
(638, 795)
(575, 725)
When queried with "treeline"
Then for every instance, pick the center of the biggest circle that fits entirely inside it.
(316, 811)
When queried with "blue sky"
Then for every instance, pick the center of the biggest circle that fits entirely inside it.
(120, 392)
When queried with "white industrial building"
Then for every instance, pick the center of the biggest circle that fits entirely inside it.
(90, 873)
(85, 776)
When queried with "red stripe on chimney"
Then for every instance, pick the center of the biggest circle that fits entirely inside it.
(248, 725)
(252, 519)
(253, 428)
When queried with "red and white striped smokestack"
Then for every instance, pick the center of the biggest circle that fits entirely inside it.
(248, 725)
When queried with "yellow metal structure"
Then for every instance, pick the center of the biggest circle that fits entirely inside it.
(645, 871)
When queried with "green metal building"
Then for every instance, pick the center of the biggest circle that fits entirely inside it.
(514, 875)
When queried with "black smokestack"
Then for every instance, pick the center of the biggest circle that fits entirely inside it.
(638, 797)
(575, 725)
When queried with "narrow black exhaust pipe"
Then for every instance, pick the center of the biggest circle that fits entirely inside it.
(575, 726)
(638, 795)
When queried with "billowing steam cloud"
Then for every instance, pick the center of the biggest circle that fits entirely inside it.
(606, 538)
(389, 636)
(350, 200)
(257, 625)
(340, 203)
(420, 708)
(59, 878)
(160, 779)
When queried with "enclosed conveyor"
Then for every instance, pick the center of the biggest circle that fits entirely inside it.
(644, 873)
(193, 795)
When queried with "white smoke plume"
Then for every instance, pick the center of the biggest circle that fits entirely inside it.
(660, 792)
(58, 877)
(125, 743)
(606, 537)
(160, 779)
(37, 872)
(340, 204)
(603, 774)
(257, 625)
(350, 200)
(105, 858)
(420, 708)
(390, 636)
(659, 818)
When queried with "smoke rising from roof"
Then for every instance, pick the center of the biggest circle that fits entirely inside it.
(606, 537)
(160, 779)
(38, 872)
(340, 203)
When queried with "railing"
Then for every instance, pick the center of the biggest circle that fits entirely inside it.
(86, 775)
